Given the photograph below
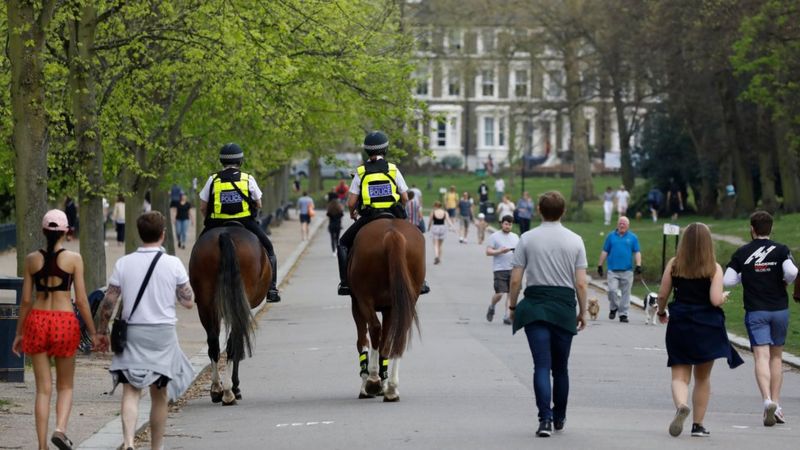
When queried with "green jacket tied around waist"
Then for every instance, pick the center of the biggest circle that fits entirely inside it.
(552, 304)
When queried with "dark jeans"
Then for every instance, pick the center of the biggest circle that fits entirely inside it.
(550, 347)
(335, 232)
(524, 224)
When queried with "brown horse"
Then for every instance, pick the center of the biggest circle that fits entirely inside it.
(230, 274)
(386, 272)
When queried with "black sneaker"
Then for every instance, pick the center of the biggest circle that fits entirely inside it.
(545, 428)
(676, 426)
(558, 424)
(612, 314)
(623, 319)
(490, 313)
(343, 289)
(699, 431)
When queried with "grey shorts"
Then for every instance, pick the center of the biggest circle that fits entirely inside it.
(502, 279)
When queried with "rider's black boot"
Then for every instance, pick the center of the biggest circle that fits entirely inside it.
(272, 294)
(344, 287)
(425, 288)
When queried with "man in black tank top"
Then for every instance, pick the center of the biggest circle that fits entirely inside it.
(765, 267)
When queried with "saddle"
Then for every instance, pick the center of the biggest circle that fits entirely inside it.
(233, 223)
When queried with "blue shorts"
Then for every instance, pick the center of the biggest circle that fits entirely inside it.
(305, 218)
(767, 327)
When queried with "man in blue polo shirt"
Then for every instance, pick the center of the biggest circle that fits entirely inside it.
(618, 248)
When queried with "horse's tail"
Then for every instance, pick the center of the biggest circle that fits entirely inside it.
(403, 314)
(231, 301)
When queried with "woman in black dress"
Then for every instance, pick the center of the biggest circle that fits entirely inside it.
(696, 334)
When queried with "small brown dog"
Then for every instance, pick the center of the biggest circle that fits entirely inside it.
(594, 308)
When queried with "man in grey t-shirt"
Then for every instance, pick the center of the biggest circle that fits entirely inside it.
(501, 245)
(553, 260)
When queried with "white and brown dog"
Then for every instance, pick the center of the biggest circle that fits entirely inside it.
(594, 308)
(650, 308)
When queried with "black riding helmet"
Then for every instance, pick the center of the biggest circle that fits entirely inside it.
(231, 154)
(376, 143)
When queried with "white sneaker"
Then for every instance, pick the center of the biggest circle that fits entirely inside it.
(779, 419)
(769, 414)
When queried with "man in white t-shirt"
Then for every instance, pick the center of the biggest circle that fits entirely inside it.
(500, 248)
(623, 197)
(152, 357)
(499, 189)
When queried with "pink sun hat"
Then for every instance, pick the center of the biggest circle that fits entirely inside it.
(55, 220)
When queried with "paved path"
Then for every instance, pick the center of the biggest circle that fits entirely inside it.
(94, 420)
(465, 383)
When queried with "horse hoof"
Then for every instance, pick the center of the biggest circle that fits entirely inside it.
(373, 388)
(238, 395)
(216, 397)
(362, 396)
(230, 403)
(388, 399)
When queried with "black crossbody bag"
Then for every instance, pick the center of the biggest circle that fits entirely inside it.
(119, 331)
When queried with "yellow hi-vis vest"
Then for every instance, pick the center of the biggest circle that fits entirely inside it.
(378, 186)
(228, 202)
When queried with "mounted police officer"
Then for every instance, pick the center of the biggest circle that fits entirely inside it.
(232, 195)
(377, 188)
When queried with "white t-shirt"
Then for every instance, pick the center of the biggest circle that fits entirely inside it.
(158, 300)
(497, 240)
(622, 197)
(499, 185)
(505, 209)
(355, 185)
(252, 186)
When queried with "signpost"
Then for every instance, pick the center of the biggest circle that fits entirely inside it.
(669, 230)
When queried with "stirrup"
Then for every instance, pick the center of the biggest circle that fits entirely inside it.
(343, 289)
(273, 296)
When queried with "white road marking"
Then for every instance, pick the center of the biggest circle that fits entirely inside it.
(650, 349)
(304, 424)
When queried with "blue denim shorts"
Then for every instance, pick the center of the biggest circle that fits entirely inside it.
(767, 327)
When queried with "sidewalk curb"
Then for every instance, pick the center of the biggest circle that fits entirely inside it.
(110, 435)
(738, 341)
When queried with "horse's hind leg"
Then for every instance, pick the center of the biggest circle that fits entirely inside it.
(391, 393)
(228, 397)
(213, 354)
(373, 384)
(235, 378)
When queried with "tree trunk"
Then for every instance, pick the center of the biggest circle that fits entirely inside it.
(159, 197)
(766, 162)
(787, 167)
(87, 141)
(583, 189)
(26, 39)
(735, 142)
(624, 133)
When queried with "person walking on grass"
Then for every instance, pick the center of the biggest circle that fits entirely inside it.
(501, 245)
(765, 267)
(621, 248)
(696, 334)
(553, 260)
(47, 326)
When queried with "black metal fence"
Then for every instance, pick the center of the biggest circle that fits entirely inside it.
(8, 236)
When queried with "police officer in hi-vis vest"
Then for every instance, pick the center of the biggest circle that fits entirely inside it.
(232, 195)
(377, 187)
